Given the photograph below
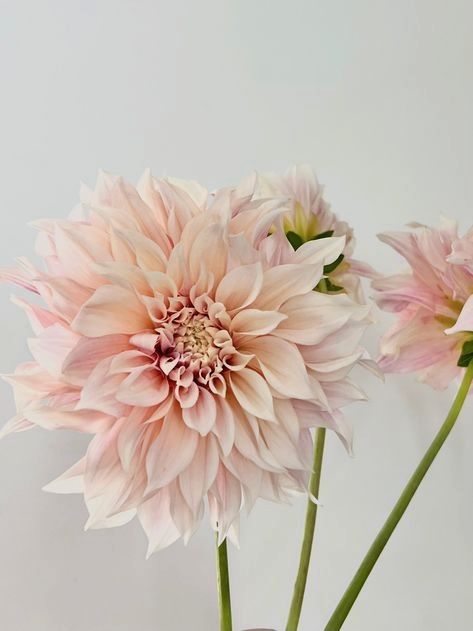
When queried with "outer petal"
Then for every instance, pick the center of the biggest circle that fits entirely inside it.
(111, 310)
(171, 452)
(252, 393)
(282, 365)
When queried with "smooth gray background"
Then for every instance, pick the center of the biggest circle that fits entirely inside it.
(378, 96)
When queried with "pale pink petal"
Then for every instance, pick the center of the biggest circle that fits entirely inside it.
(203, 414)
(282, 365)
(199, 476)
(171, 452)
(100, 389)
(285, 281)
(465, 319)
(88, 352)
(111, 310)
(256, 321)
(253, 394)
(144, 386)
(240, 287)
(157, 522)
(52, 346)
(71, 481)
(321, 251)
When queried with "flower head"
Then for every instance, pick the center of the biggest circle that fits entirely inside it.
(307, 217)
(432, 302)
(197, 362)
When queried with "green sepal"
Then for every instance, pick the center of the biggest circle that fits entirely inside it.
(466, 355)
(294, 239)
(325, 286)
(322, 235)
(328, 269)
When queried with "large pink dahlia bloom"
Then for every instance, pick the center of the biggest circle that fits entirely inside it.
(307, 216)
(197, 362)
(432, 302)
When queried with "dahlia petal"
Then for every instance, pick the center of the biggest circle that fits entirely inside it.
(465, 319)
(71, 481)
(155, 517)
(127, 361)
(72, 249)
(287, 417)
(171, 452)
(203, 414)
(183, 516)
(99, 391)
(252, 393)
(16, 424)
(343, 392)
(256, 321)
(112, 521)
(248, 474)
(224, 427)
(130, 437)
(161, 283)
(209, 251)
(62, 295)
(334, 365)
(314, 316)
(38, 317)
(88, 352)
(143, 387)
(286, 281)
(321, 251)
(125, 275)
(187, 396)
(285, 452)
(52, 346)
(149, 256)
(111, 310)
(199, 476)
(228, 497)
(249, 443)
(240, 286)
(282, 365)
(87, 421)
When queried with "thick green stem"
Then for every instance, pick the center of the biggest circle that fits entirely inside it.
(309, 529)
(343, 608)
(223, 586)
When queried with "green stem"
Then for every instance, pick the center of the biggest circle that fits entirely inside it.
(223, 586)
(309, 529)
(343, 608)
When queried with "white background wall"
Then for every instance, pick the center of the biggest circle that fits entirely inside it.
(378, 96)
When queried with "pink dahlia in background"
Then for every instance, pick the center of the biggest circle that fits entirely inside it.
(198, 361)
(306, 217)
(432, 302)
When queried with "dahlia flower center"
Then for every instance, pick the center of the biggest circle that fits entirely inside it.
(196, 337)
(193, 345)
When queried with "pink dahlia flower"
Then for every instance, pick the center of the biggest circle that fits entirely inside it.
(197, 362)
(432, 302)
(306, 217)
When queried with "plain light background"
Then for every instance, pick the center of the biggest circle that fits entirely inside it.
(378, 97)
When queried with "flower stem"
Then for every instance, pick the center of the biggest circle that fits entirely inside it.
(309, 529)
(343, 608)
(223, 586)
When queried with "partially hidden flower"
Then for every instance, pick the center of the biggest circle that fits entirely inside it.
(307, 216)
(432, 301)
(196, 360)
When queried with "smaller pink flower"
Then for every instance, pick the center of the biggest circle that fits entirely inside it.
(432, 302)
(309, 217)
